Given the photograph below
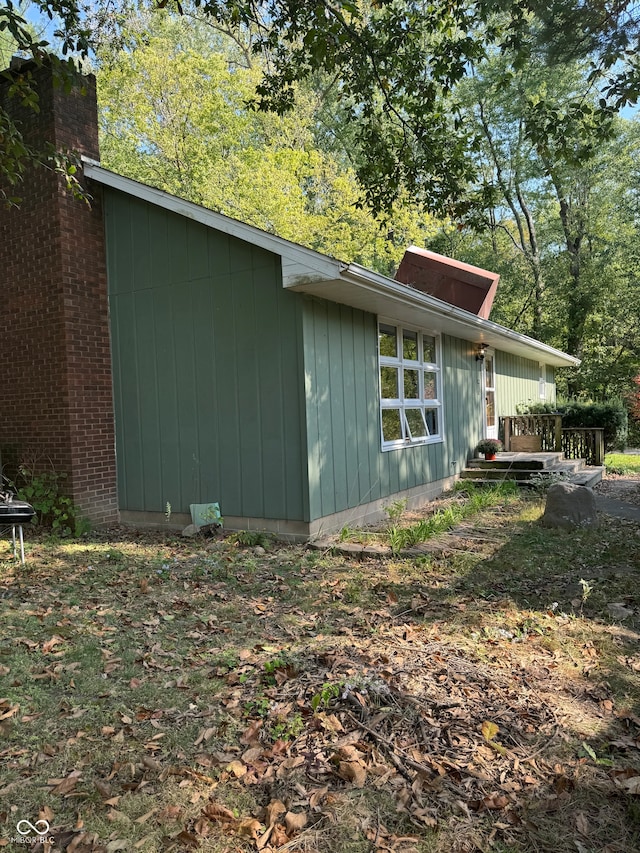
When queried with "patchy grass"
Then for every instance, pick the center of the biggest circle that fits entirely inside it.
(622, 463)
(161, 694)
(404, 529)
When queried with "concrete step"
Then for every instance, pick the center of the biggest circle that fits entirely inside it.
(567, 466)
(588, 476)
(500, 474)
(493, 471)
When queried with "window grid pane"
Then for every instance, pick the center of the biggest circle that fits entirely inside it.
(430, 387)
(388, 341)
(429, 349)
(411, 385)
(389, 382)
(415, 423)
(391, 425)
(409, 345)
(488, 366)
(491, 408)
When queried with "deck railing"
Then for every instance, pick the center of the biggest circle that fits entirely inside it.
(584, 443)
(547, 427)
(575, 442)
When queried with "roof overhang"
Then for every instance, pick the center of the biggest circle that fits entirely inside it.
(306, 271)
(298, 262)
(361, 288)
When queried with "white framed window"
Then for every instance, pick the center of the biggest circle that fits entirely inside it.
(410, 385)
(542, 382)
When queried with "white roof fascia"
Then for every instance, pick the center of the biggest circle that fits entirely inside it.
(310, 272)
(377, 294)
(299, 264)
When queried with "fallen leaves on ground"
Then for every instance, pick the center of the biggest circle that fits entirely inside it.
(266, 706)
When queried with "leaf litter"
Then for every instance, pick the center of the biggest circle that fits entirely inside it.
(318, 717)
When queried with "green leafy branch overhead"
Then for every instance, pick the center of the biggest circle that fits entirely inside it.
(73, 39)
(396, 67)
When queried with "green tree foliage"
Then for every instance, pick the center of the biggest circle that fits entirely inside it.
(554, 211)
(18, 36)
(396, 66)
(173, 106)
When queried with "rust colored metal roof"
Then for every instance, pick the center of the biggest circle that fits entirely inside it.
(455, 282)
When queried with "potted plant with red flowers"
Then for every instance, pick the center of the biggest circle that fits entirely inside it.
(489, 446)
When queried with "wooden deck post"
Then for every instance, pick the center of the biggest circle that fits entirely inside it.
(599, 447)
(507, 433)
(557, 428)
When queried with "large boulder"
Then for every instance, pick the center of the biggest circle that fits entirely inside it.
(570, 506)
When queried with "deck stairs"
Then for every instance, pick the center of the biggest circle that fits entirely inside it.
(521, 467)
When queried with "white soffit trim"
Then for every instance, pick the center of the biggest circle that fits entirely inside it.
(299, 264)
(310, 272)
(377, 294)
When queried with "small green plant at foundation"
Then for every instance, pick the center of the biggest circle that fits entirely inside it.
(356, 534)
(167, 511)
(347, 533)
(394, 511)
(464, 486)
(54, 509)
(397, 537)
(252, 538)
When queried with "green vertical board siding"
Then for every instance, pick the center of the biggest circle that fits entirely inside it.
(347, 466)
(517, 382)
(462, 402)
(207, 363)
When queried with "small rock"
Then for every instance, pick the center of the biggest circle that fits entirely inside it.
(190, 530)
(259, 551)
(619, 611)
(322, 544)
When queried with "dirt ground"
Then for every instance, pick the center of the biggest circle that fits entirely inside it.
(620, 487)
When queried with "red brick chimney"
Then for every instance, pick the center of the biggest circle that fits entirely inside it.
(56, 401)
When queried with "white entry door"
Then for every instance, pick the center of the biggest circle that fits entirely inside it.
(489, 384)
